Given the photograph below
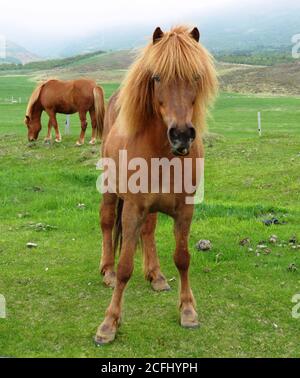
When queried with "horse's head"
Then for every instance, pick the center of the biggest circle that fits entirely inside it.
(174, 80)
(33, 127)
(175, 104)
(175, 99)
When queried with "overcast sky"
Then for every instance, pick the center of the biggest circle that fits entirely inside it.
(25, 21)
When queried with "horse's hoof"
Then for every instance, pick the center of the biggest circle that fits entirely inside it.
(57, 140)
(78, 144)
(92, 142)
(189, 318)
(109, 279)
(105, 335)
(160, 284)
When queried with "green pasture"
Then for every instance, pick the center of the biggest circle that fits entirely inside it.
(54, 294)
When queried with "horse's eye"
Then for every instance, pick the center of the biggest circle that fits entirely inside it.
(197, 77)
(156, 78)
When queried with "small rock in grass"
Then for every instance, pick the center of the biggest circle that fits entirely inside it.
(262, 246)
(31, 245)
(273, 239)
(250, 249)
(293, 240)
(172, 279)
(267, 251)
(269, 222)
(204, 245)
(245, 241)
(292, 268)
(81, 206)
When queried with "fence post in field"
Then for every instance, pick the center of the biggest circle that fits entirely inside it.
(2, 307)
(259, 123)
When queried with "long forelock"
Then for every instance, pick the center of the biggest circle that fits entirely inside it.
(176, 56)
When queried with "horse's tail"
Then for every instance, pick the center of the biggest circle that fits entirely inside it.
(118, 227)
(99, 109)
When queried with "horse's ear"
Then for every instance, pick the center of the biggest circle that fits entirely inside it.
(195, 34)
(157, 35)
(26, 120)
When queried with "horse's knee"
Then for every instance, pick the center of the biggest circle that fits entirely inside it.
(107, 217)
(182, 260)
(148, 227)
(107, 222)
(84, 125)
(124, 272)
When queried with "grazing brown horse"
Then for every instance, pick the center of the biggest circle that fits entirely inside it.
(66, 97)
(159, 112)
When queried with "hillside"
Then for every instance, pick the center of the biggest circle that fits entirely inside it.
(17, 54)
(111, 67)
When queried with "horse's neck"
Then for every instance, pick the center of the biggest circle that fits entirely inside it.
(37, 111)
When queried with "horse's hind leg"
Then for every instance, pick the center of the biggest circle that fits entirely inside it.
(94, 126)
(107, 220)
(189, 317)
(132, 220)
(151, 262)
(82, 116)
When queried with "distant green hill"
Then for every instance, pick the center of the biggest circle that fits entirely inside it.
(50, 64)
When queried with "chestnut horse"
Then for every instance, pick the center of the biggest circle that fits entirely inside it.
(159, 112)
(66, 97)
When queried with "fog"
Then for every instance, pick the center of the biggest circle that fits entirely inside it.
(44, 26)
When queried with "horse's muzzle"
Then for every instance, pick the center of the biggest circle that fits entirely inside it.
(181, 139)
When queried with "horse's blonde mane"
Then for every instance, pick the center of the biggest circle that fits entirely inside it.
(33, 99)
(175, 55)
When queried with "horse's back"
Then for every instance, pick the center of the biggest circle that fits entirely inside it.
(68, 96)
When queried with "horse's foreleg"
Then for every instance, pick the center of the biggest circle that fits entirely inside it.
(189, 317)
(48, 137)
(132, 220)
(151, 262)
(82, 116)
(94, 127)
(107, 220)
(53, 122)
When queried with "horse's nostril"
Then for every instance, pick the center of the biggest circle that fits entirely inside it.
(173, 134)
(192, 133)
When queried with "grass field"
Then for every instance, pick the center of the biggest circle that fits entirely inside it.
(55, 298)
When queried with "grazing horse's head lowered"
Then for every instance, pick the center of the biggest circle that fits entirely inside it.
(33, 114)
(174, 80)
